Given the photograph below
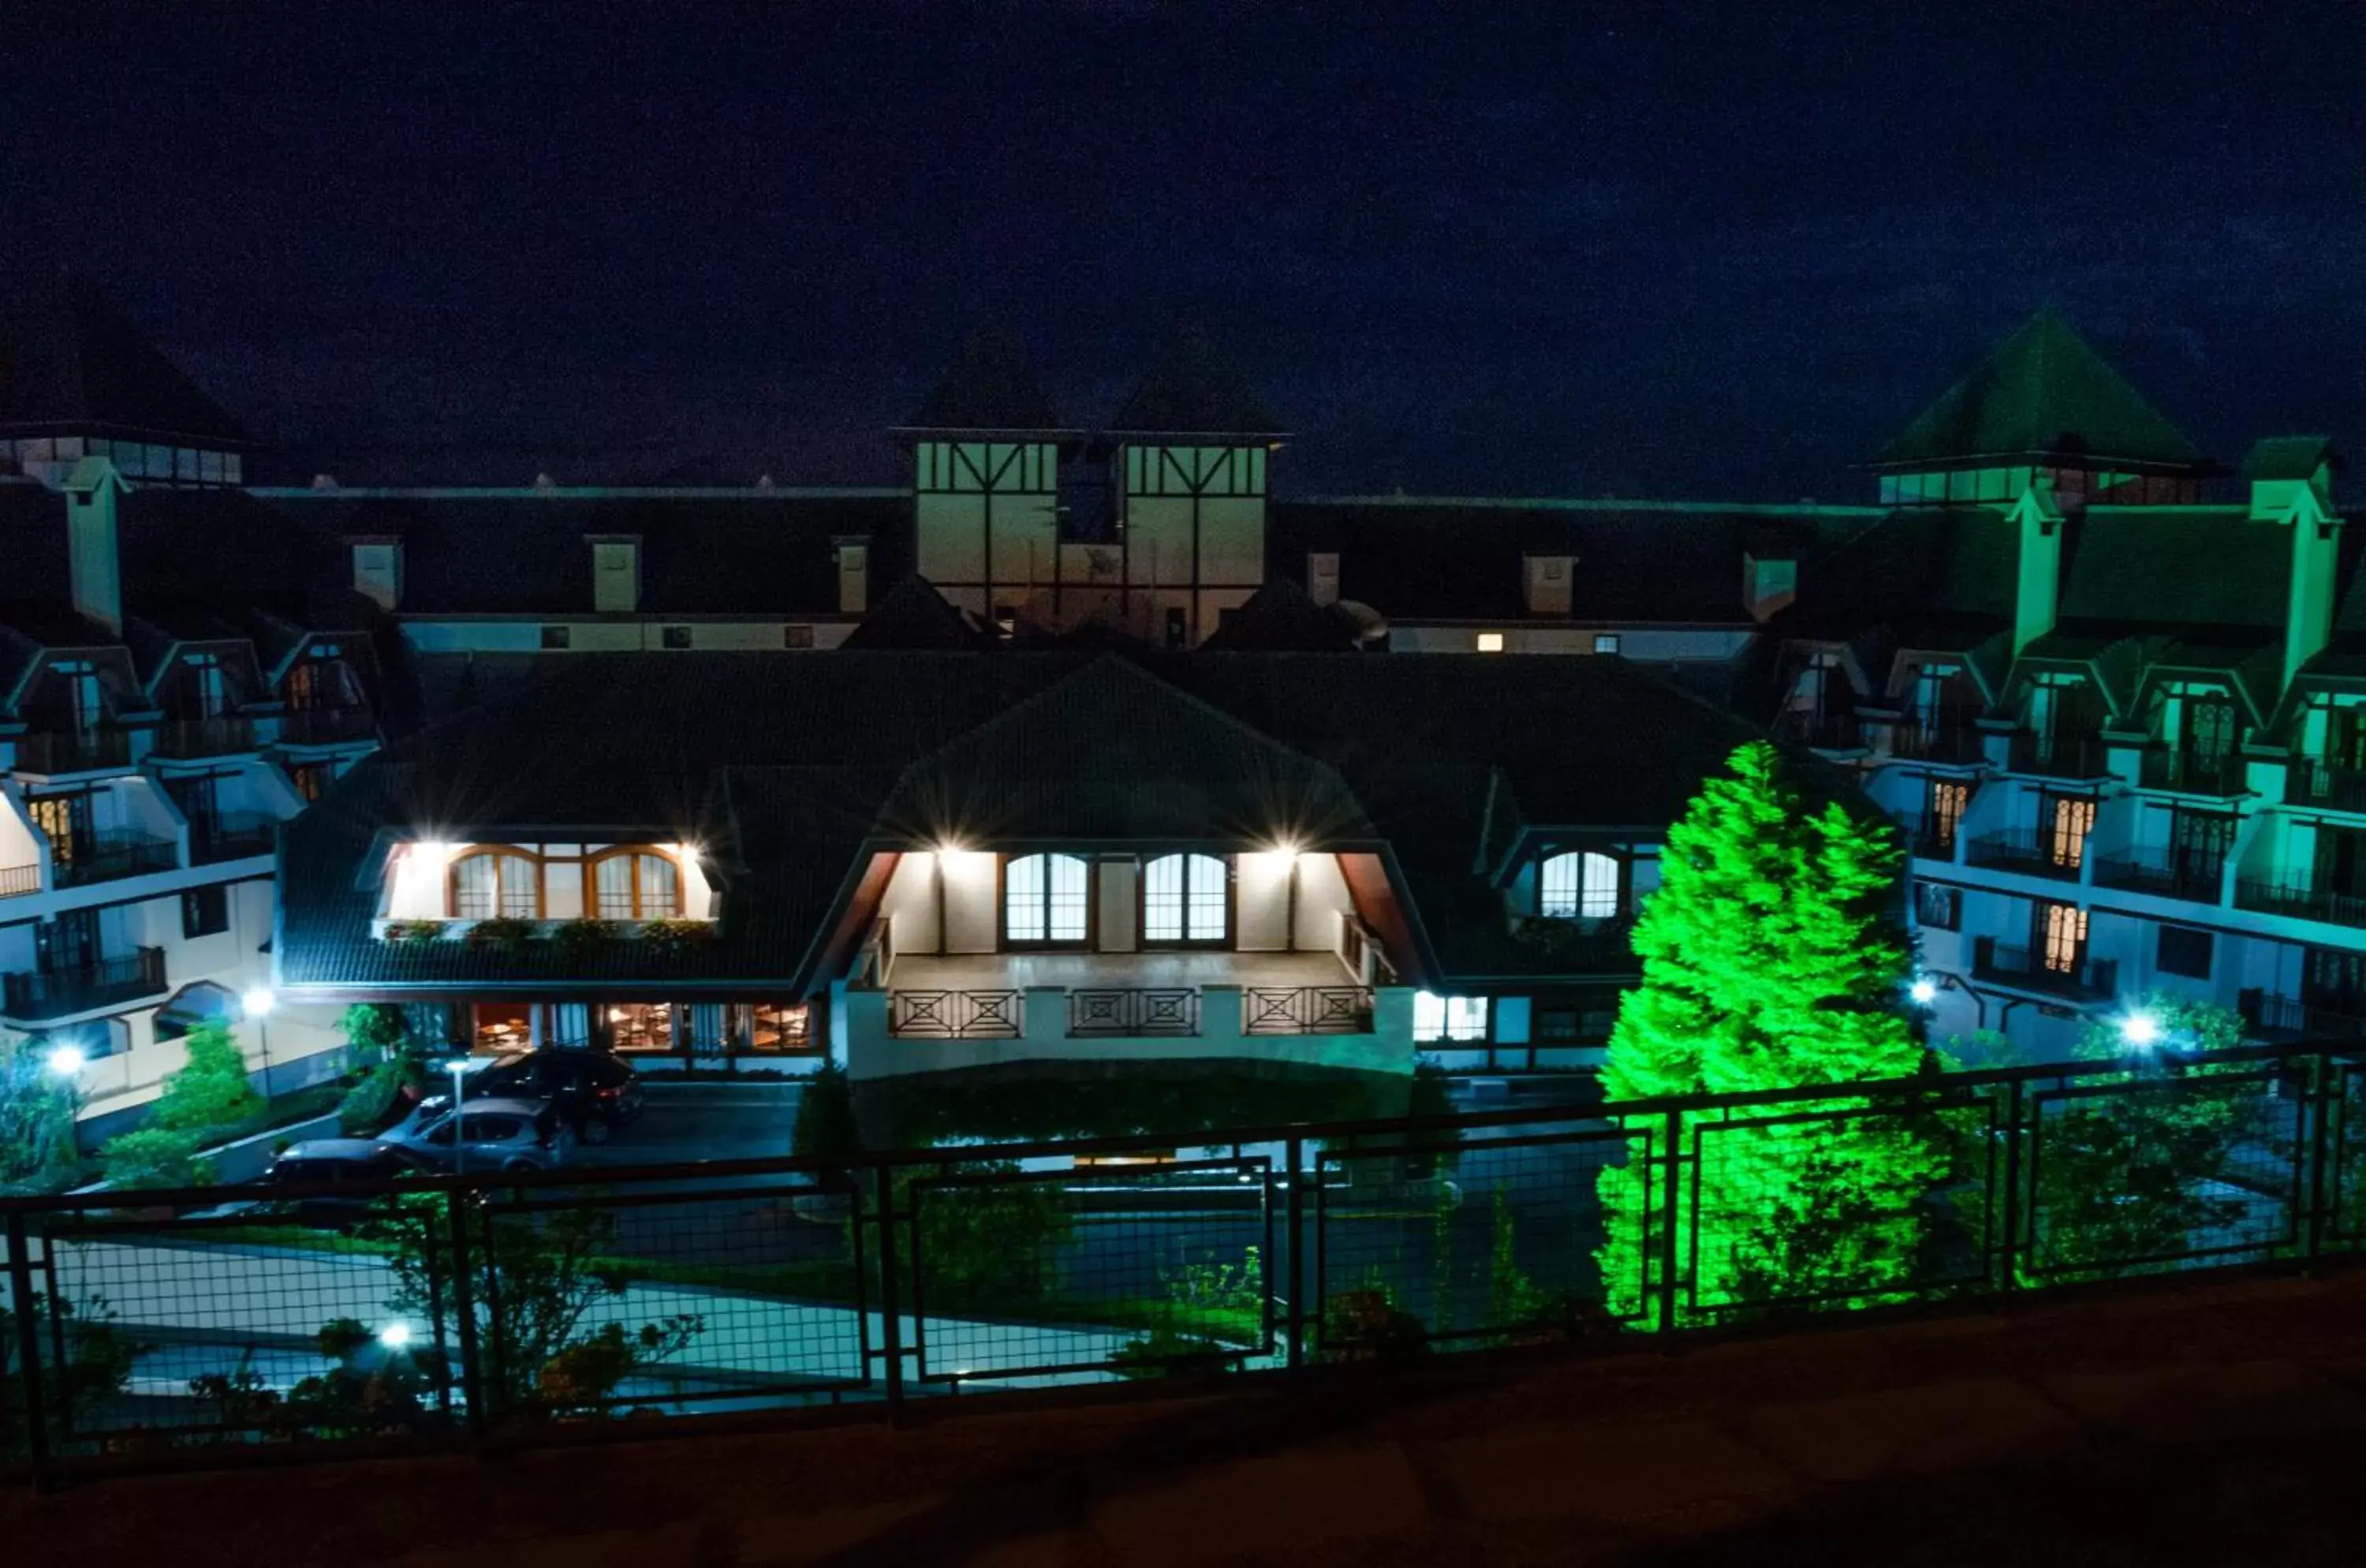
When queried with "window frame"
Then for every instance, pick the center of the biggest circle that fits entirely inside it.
(1084, 941)
(1447, 1030)
(1581, 889)
(500, 912)
(593, 904)
(1187, 890)
(2207, 940)
(204, 910)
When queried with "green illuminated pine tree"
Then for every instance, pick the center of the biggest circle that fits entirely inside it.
(1773, 956)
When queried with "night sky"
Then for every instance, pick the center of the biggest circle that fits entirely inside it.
(1695, 251)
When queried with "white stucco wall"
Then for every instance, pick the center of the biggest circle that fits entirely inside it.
(971, 923)
(1262, 881)
(910, 902)
(1119, 893)
(1321, 899)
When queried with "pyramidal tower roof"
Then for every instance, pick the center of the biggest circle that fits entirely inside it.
(2042, 392)
(1194, 389)
(987, 386)
(69, 361)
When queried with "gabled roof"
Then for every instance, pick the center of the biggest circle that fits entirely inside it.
(2130, 568)
(1194, 389)
(987, 387)
(2042, 392)
(912, 614)
(2289, 457)
(1279, 617)
(69, 361)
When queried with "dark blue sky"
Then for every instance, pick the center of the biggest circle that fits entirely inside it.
(1688, 249)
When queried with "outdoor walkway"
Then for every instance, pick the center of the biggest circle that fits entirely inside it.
(2187, 1423)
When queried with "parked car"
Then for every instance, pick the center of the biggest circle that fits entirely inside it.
(497, 1132)
(365, 1166)
(595, 1091)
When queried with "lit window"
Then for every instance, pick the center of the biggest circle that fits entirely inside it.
(1606, 642)
(496, 882)
(1436, 1018)
(1043, 898)
(1491, 642)
(637, 885)
(1185, 899)
(1578, 887)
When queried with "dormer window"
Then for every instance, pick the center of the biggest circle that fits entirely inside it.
(1578, 886)
(637, 885)
(488, 883)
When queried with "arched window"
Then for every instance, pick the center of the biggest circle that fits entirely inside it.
(489, 883)
(1043, 898)
(636, 885)
(1185, 899)
(1578, 887)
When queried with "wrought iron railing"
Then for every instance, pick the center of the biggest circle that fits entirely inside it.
(2061, 756)
(957, 1015)
(105, 857)
(1156, 1010)
(2299, 898)
(2041, 852)
(1936, 743)
(220, 737)
(54, 993)
(235, 837)
(327, 727)
(2076, 977)
(19, 879)
(1306, 1009)
(2168, 873)
(56, 753)
(2325, 783)
(2168, 768)
(2294, 1018)
(1822, 731)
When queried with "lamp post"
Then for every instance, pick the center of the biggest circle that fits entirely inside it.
(258, 1003)
(457, 1067)
(65, 1061)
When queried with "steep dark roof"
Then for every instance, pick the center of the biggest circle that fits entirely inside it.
(2289, 457)
(2138, 567)
(69, 361)
(912, 614)
(2042, 392)
(987, 386)
(1194, 389)
(1932, 577)
(1280, 618)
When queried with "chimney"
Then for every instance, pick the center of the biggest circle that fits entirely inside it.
(2038, 594)
(1545, 584)
(1323, 576)
(93, 562)
(377, 570)
(1769, 581)
(615, 573)
(854, 574)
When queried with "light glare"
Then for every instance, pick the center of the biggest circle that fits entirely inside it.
(258, 1002)
(394, 1335)
(1924, 991)
(66, 1061)
(2141, 1030)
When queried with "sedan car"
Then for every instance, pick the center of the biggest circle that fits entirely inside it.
(496, 1132)
(595, 1091)
(358, 1170)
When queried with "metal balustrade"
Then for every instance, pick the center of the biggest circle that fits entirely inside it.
(16, 880)
(2292, 1017)
(2061, 757)
(108, 856)
(327, 727)
(2168, 873)
(223, 736)
(54, 993)
(54, 752)
(1306, 1009)
(309, 1321)
(957, 1015)
(2324, 784)
(2298, 898)
(2082, 978)
(1147, 1011)
(1936, 743)
(2039, 852)
(2167, 768)
(234, 837)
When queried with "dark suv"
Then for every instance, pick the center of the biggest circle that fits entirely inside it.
(595, 1091)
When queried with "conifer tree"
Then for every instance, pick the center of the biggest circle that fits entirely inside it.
(1774, 956)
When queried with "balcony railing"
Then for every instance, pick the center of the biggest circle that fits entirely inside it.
(2162, 871)
(104, 857)
(1936, 743)
(65, 752)
(19, 879)
(2195, 774)
(2084, 979)
(2326, 784)
(2065, 756)
(231, 838)
(1824, 731)
(1166, 1010)
(109, 982)
(1306, 1009)
(2297, 898)
(2030, 849)
(2290, 1018)
(957, 1015)
(327, 727)
(187, 737)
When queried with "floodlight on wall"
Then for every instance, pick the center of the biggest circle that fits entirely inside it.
(2141, 1031)
(66, 1061)
(1923, 991)
(258, 1002)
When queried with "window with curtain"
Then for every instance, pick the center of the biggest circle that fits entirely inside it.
(1185, 899)
(1578, 886)
(637, 885)
(1436, 1018)
(489, 883)
(1043, 898)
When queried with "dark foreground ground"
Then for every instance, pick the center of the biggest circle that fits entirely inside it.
(2218, 1424)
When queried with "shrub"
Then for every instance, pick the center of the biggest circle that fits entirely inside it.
(825, 1126)
(502, 930)
(155, 1157)
(374, 1031)
(413, 930)
(1165, 1353)
(578, 938)
(37, 1119)
(672, 936)
(210, 1093)
(370, 1104)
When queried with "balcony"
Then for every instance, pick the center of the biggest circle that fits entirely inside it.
(231, 838)
(2086, 979)
(1823, 731)
(39, 996)
(186, 739)
(1944, 742)
(17, 880)
(327, 727)
(2297, 898)
(105, 857)
(2028, 849)
(60, 752)
(2281, 1019)
(2312, 782)
(2164, 768)
(2062, 757)
(2163, 873)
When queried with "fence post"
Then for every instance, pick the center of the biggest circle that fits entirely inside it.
(464, 1313)
(2011, 1224)
(2323, 1080)
(1670, 1211)
(1294, 1322)
(28, 1343)
(891, 1327)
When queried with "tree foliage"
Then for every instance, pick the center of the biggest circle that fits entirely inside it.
(37, 1119)
(210, 1091)
(1774, 956)
(95, 1368)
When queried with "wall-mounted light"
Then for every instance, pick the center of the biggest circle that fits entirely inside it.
(686, 850)
(66, 1061)
(1923, 991)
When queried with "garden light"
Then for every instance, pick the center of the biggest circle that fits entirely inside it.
(395, 1335)
(66, 1061)
(258, 1002)
(2140, 1029)
(1923, 991)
